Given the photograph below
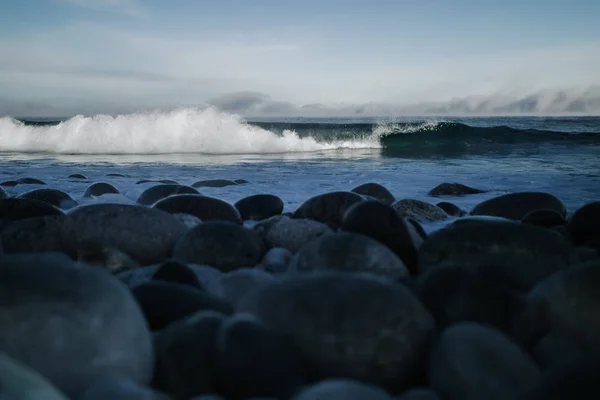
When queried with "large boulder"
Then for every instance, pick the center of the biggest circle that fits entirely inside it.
(342, 389)
(15, 208)
(515, 254)
(328, 208)
(159, 192)
(57, 198)
(376, 191)
(51, 310)
(544, 218)
(348, 252)
(100, 188)
(583, 226)
(473, 362)
(18, 382)
(453, 189)
(120, 389)
(214, 183)
(147, 235)
(234, 285)
(516, 206)
(420, 210)
(33, 235)
(348, 325)
(203, 207)
(259, 206)
(220, 244)
(290, 234)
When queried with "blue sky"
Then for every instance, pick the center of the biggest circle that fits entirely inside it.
(128, 54)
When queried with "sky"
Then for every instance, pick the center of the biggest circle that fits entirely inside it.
(278, 56)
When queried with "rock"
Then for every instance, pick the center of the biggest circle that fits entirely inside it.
(51, 310)
(253, 360)
(186, 356)
(33, 235)
(134, 278)
(165, 181)
(214, 183)
(472, 361)
(176, 272)
(55, 197)
(584, 225)
(30, 181)
(15, 209)
(290, 234)
(456, 294)
(342, 389)
(453, 189)
(96, 254)
(120, 389)
(417, 227)
(573, 381)
(544, 218)
(327, 208)
(514, 254)
(3, 194)
(220, 244)
(375, 190)
(188, 220)
(516, 206)
(419, 209)
(159, 192)
(381, 222)
(100, 188)
(259, 207)
(77, 176)
(565, 304)
(116, 175)
(419, 394)
(240, 181)
(203, 207)
(9, 183)
(555, 351)
(147, 235)
(379, 340)
(276, 260)
(234, 285)
(164, 303)
(451, 209)
(18, 382)
(348, 252)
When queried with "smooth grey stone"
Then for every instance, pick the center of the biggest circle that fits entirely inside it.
(214, 183)
(203, 207)
(120, 389)
(419, 394)
(18, 382)
(451, 209)
(159, 192)
(33, 235)
(77, 176)
(516, 206)
(234, 285)
(544, 218)
(15, 209)
(276, 260)
(188, 220)
(136, 277)
(583, 226)
(453, 189)
(100, 188)
(327, 208)
(259, 206)
(376, 191)
(52, 310)
(57, 198)
(290, 234)
(342, 389)
(419, 210)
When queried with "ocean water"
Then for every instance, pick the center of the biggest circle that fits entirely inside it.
(299, 158)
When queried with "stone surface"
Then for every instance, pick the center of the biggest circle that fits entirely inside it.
(33, 235)
(453, 189)
(120, 389)
(327, 208)
(544, 218)
(451, 209)
(259, 206)
(100, 188)
(214, 183)
(342, 389)
(376, 191)
(584, 225)
(203, 207)
(57, 198)
(276, 260)
(18, 382)
(234, 285)
(15, 209)
(516, 206)
(420, 210)
(290, 234)
(159, 192)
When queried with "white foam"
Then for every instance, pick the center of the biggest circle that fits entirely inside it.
(186, 130)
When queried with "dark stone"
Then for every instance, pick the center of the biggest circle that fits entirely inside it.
(419, 394)
(453, 189)
(3, 194)
(134, 278)
(51, 310)
(98, 255)
(120, 389)
(342, 389)
(164, 303)
(15, 209)
(472, 361)
(19, 382)
(346, 324)
(565, 304)
(419, 209)
(348, 252)
(145, 234)
(234, 285)
(451, 209)
(77, 176)
(33, 235)
(188, 220)
(572, 381)
(215, 183)
(514, 254)
(375, 190)
(220, 244)
(116, 175)
(186, 355)
(253, 360)
(455, 294)
(584, 225)
(516, 206)
(175, 272)
(30, 181)
(276, 260)
(259, 207)
(240, 181)
(99, 189)
(544, 218)
(203, 207)
(165, 181)
(381, 222)
(9, 183)
(328, 208)
(57, 198)
(159, 192)
(554, 351)
(417, 227)
(288, 233)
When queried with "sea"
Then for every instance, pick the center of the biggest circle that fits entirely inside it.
(297, 158)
